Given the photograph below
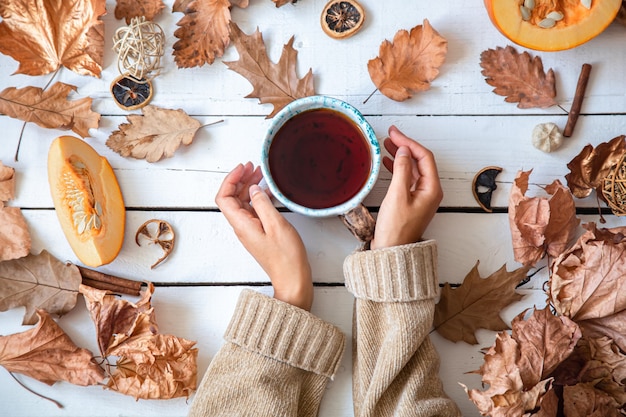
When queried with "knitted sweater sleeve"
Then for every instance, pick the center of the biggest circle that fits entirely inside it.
(395, 366)
(276, 361)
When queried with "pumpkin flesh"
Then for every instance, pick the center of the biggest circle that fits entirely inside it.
(577, 26)
(87, 200)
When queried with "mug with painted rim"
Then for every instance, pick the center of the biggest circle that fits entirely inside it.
(321, 158)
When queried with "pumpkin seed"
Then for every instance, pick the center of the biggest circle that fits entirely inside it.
(525, 12)
(586, 3)
(556, 16)
(547, 23)
(529, 4)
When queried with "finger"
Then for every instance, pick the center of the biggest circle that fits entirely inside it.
(426, 166)
(265, 210)
(229, 186)
(402, 179)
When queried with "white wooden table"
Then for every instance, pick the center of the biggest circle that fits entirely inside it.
(459, 118)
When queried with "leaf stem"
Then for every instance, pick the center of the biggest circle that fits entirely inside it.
(212, 123)
(370, 96)
(58, 404)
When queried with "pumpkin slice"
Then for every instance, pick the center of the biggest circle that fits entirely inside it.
(551, 25)
(87, 199)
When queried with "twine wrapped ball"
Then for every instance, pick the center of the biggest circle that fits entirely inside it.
(614, 187)
(139, 47)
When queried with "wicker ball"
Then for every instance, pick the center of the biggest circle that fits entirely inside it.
(139, 47)
(614, 187)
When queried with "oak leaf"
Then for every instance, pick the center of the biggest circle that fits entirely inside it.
(47, 354)
(43, 35)
(15, 239)
(278, 83)
(410, 63)
(38, 282)
(476, 304)
(154, 135)
(589, 168)
(50, 108)
(540, 225)
(150, 365)
(127, 9)
(518, 77)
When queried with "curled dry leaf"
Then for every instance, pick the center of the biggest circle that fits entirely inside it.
(43, 35)
(50, 108)
(47, 354)
(540, 225)
(278, 83)
(589, 168)
(410, 63)
(7, 182)
(163, 235)
(38, 282)
(127, 9)
(154, 135)
(476, 304)
(518, 77)
(15, 239)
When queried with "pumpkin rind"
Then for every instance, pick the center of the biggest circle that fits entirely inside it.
(566, 34)
(87, 199)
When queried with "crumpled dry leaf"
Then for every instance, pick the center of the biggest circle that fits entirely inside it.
(410, 63)
(127, 9)
(583, 400)
(154, 135)
(38, 282)
(150, 365)
(15, 239)
(589, 168)
(50, 108)
(278, 83)
(43, 35)
(540, 225)
(518, 77)
(47, 354)
(203, 33)
(476, 304)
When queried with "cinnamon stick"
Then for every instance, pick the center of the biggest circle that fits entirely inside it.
(108, 282)
(574, 112)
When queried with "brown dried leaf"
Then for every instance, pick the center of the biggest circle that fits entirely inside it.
(154, 135)
(203, 33)
(518, 77)
(43, 35)
(15, 241)
(7, 183)
(410, 63)
(540, 225)
(50, 108)
(38, 282)
(278, 83)
(47, 354)
(476, 304)
(589, 168)
(583, 400)
(127, 9)
(280, 3)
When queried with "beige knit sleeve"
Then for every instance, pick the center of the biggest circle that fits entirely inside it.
(395, 366)
(277, 360)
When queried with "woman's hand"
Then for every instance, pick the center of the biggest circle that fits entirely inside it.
(267, 235)
(413, 195)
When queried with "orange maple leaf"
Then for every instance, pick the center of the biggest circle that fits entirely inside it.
(43, 35)
(410, 63)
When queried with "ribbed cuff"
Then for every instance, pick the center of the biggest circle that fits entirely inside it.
(286, 333)
(396, 274)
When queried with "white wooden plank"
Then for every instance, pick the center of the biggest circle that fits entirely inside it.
(202, 314)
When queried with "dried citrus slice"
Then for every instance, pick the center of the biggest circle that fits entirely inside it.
(131, 94)
(342, 18)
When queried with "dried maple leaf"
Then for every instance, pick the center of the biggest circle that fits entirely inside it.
(584, 400)
(518, 77)
(589, 168)
(476, 304)
(410, 63)
(43, 35)
(38, 282)
(154, 135)
(50, 108)
(540, 225)
(127, 9)
(47, 354)
(7, 182)
(150, 365)
(14, 236)
(278, 83)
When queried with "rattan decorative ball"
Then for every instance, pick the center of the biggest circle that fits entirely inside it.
(139, 47)
(614, 187)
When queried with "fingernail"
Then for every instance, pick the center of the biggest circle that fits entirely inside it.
(254, 190)
(403, 151)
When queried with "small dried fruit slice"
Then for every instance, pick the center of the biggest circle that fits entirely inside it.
(130, 94)
(87, 199)
(342, 19)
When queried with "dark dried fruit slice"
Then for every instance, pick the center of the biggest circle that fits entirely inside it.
(131, 94)
(341, 19)
(484, 185)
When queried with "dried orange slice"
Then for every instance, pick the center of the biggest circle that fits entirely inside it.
(342, 18)
(130, 94)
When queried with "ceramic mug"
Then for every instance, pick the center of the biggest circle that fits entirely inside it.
(321, 158)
